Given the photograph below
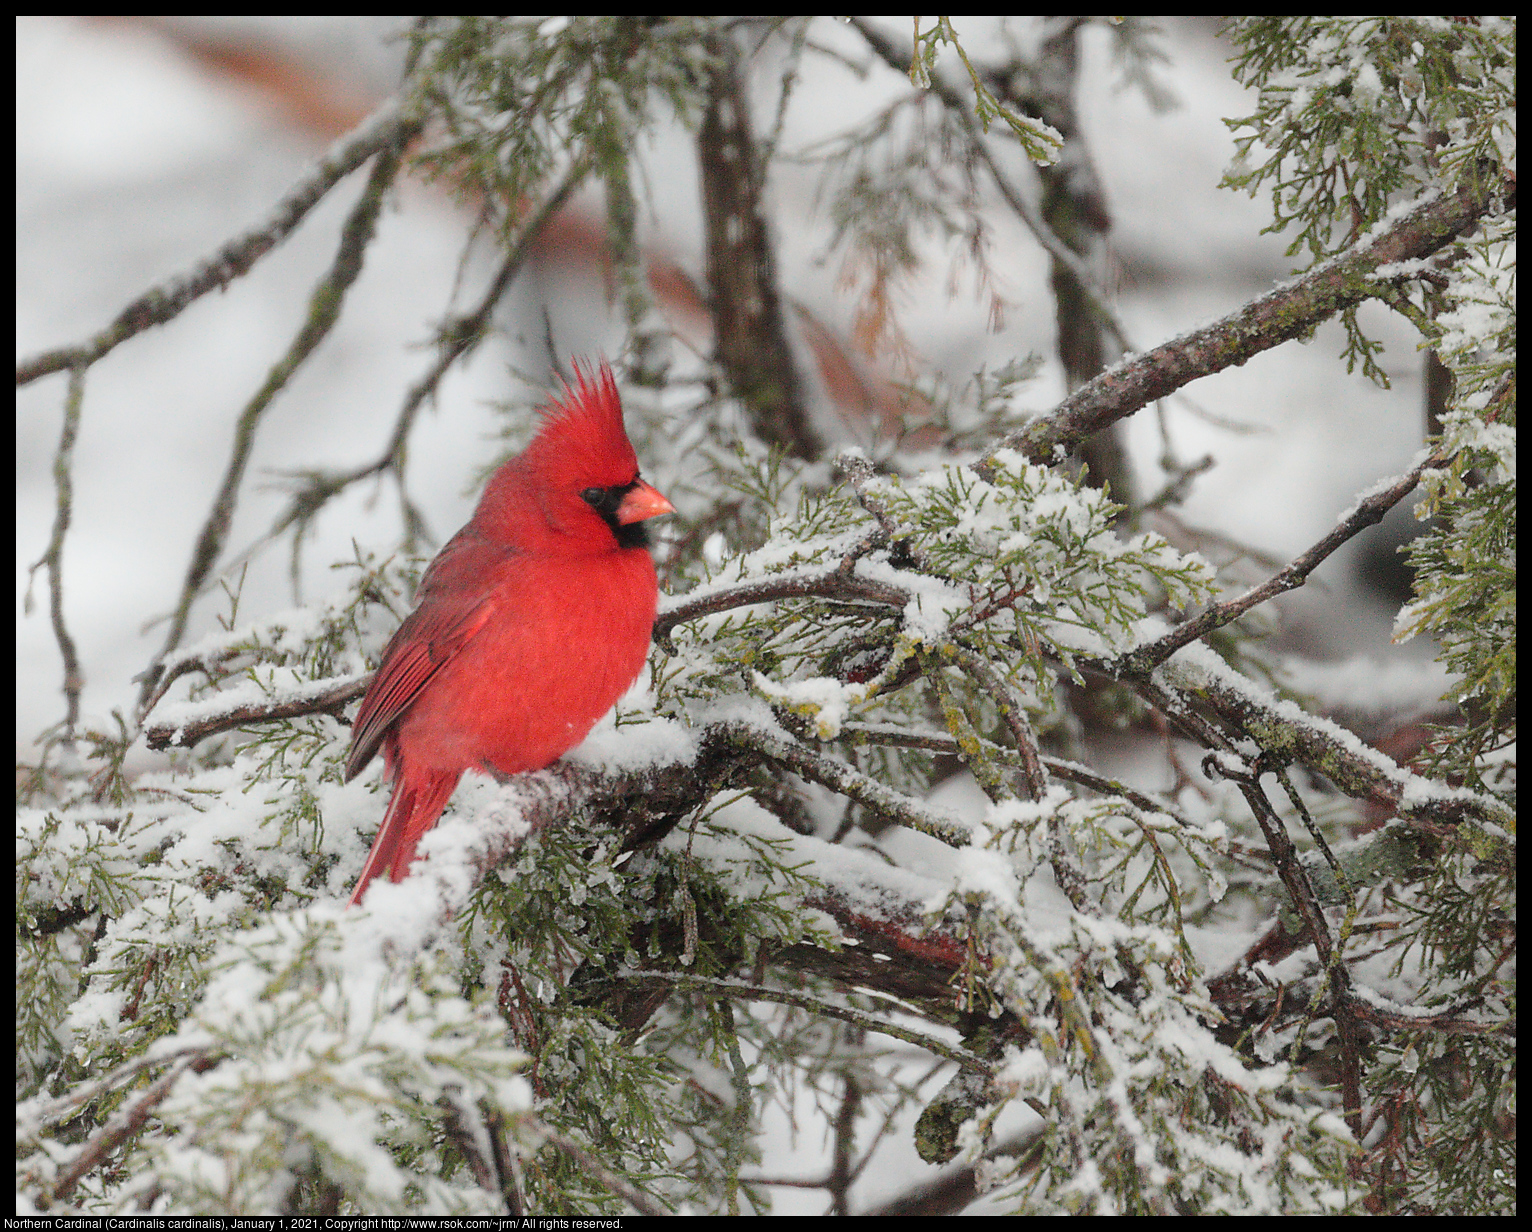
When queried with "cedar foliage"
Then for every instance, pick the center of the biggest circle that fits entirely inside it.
(606, 972)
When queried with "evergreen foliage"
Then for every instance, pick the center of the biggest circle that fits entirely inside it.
(759, 889)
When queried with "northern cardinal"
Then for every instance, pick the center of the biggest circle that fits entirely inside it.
(529, 625)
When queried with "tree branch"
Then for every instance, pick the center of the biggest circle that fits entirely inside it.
(126, 1122)
(749, 328)
(324, 310)
(387, 127)
(743, 991)
(838, 776)
(459, 336)
(53, 555)
(1290, 311)
(631, 1194)
(1369, 512)
(1323, 747)
(811, 581)
(322, 697)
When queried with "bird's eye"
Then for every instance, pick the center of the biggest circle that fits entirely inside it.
(605, 501)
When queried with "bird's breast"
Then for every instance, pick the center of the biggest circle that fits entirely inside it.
(565, 640)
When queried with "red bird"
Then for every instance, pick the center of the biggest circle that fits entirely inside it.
(529, 625)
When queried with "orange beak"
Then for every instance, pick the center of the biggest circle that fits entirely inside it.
(641, 503)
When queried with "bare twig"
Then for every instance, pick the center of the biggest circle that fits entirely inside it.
(1300, 891)
(53, 555)
(859, 473)
(458, 337)
(1059, 768)
(382, 130)
(743, 991)
(324, 310)
(1367, 513)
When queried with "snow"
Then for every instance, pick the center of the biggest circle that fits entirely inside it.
(631, 746)
(1197, 666)
(865, 883)
(1367, 685)
(827, 701)
(128, 553)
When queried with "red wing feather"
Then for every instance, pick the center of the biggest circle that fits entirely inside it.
(430, 636)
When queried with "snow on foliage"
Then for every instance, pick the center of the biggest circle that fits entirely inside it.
(854, 796)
